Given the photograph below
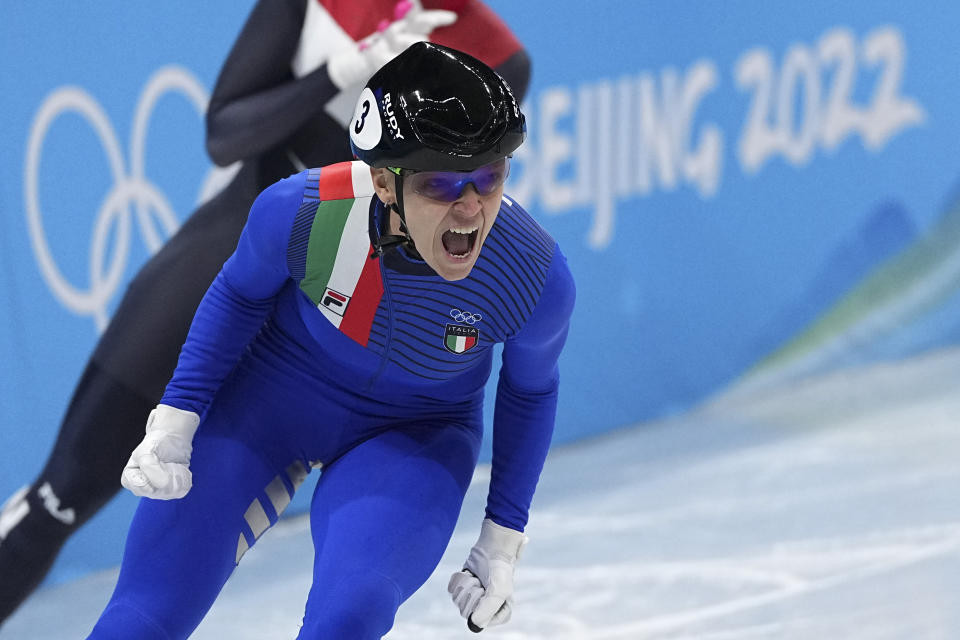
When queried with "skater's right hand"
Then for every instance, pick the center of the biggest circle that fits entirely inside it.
(160, 465)
(483, 590)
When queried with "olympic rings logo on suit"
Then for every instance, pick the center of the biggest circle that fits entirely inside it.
(465, 316)
(130, 190)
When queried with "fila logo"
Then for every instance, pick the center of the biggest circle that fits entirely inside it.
(335, 301)
(52, 504)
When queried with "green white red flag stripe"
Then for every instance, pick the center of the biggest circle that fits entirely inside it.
(358, 319)
(341, 279)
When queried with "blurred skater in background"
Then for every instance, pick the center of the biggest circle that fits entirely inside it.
(281, 103)
(353, 329)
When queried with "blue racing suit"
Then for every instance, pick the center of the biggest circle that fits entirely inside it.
(310, 349)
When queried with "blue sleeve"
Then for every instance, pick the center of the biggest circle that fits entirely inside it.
(239, 300)
(526, 403)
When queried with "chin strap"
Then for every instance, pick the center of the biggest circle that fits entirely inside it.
(387, 242)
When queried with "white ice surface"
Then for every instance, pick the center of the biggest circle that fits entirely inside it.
(826, 509)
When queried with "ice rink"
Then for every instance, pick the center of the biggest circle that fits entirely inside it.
(826, 508)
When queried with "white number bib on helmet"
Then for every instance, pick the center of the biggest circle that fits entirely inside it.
(365, 128)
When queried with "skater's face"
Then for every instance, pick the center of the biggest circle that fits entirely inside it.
(449, 213)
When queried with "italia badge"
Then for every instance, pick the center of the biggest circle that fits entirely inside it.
(460, 339)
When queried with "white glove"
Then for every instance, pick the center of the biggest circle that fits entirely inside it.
(160, 465)
(483, 590)
(412, 23)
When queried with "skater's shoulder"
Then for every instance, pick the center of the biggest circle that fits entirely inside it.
(284, 192)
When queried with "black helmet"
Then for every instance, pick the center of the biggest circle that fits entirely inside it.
(435, 108)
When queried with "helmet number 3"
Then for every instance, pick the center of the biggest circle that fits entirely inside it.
(367, 128)
(363, 116)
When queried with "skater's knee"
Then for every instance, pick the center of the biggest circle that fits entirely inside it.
(360, 606)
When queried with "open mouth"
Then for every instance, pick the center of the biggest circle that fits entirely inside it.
(459, 241)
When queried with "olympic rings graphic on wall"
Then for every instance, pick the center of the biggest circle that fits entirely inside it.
(130, 190)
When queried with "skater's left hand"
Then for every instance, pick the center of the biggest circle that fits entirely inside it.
(483, 590)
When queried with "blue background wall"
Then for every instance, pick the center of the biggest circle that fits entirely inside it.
(747, 193)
